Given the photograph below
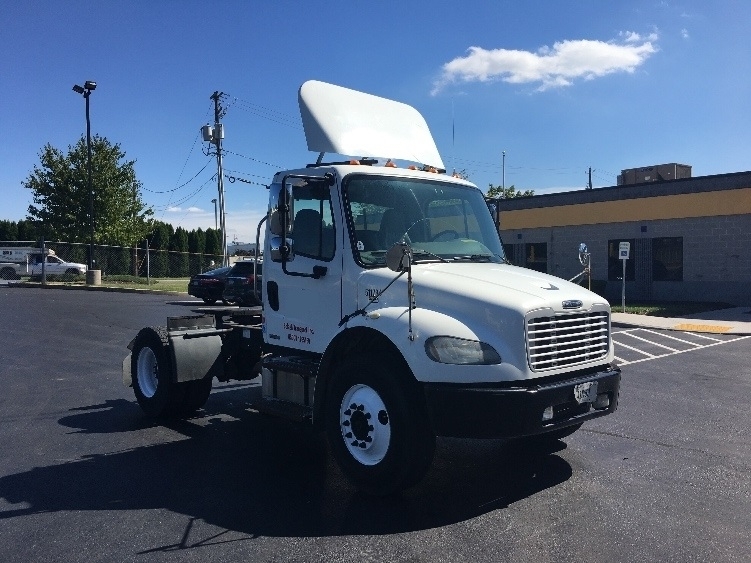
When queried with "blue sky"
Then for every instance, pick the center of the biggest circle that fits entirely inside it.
(560, 86)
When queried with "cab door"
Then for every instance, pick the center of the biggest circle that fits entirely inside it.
(302, 280)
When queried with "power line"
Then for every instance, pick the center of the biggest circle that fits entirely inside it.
(182, 185)
(253, 159)
(268, 113)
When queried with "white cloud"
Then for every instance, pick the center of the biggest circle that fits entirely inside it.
(684, 33)
(554, 67)
(175, 209)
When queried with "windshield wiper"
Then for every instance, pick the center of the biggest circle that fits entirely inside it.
(476, 257)
(419, 252)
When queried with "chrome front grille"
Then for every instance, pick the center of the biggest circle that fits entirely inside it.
(566, 340)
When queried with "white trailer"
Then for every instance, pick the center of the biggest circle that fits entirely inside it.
(389, 313)
(14, 261)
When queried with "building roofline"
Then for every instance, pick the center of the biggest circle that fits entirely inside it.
(698, 184)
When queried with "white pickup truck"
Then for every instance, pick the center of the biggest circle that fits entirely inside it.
(53, 265)
(18, 261)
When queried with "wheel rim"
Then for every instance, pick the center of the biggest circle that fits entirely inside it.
(365, 424)
(148, 372)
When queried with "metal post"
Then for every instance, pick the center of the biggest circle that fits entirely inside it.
(148, 264)
(88, 87)
(44, 263)
(623, 287)
(86, 95)
(216, 224)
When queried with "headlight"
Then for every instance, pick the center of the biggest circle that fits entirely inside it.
(450, 350)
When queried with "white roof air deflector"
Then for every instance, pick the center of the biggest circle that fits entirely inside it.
(347, 122)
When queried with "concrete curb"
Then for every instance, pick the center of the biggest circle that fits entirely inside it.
(58, 285)
(735, 320)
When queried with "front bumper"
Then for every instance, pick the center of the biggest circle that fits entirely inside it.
(515, 409)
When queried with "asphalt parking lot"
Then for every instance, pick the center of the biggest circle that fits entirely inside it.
(84, 476)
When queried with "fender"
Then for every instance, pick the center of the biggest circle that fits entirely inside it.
(392, 323)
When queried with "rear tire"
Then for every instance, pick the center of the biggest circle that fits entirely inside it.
(8, 274)
(151, 374)
(377, 426)
(196, 394)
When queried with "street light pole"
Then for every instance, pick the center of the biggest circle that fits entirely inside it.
(503, 180)
(88, 87)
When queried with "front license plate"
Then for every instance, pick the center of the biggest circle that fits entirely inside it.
(585, 392)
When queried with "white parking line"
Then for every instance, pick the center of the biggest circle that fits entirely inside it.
(672, 352)
(662, 335)
(621, 344)
(650, 342)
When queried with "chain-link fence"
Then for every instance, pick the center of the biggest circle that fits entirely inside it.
(127, 261)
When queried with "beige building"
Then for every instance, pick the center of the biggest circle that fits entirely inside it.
(690, 238)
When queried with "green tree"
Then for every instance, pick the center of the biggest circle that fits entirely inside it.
(61, 197)
(158, 246)
(213, 247)
(498, 192)
(8, 230)
(179, 266)
(196, 247)
(27, 230)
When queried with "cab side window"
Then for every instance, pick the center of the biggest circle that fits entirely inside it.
(313, 232)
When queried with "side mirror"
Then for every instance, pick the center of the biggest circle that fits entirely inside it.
(583, 255)
(276, 205)
(399, 257)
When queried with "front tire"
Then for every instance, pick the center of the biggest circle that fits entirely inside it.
(378, 427)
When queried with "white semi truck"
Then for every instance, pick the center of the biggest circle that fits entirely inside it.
(389, 313)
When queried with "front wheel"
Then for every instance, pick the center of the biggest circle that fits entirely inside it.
(377, 426)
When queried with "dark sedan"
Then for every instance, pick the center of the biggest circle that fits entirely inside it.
(209, 286)
(243, 283)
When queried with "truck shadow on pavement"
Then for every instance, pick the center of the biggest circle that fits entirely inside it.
(240, 471)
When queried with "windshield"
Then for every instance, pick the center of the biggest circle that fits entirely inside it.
(441, 221)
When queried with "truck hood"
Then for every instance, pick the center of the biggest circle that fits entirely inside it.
(457, 286)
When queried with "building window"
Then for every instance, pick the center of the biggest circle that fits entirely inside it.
(536, 256)
(667, 259)
(508, 250)
(615, 264)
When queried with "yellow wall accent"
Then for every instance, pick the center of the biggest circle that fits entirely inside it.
(680, 206)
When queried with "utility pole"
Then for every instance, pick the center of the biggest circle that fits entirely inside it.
(216, 137)
(589, 183)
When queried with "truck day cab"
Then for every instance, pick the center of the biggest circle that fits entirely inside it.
(389, 313)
